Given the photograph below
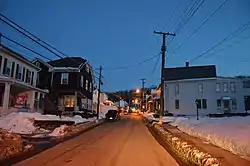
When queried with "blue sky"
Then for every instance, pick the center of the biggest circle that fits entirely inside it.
(118, 33)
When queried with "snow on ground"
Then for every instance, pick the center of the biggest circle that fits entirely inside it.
(230, 133)
(59, 131)
(22, 122)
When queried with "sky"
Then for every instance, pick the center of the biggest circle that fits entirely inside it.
(115, 33)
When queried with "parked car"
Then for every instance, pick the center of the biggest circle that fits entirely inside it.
(112, 115)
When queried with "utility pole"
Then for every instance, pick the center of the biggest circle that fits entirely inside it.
(163, 50)
(142, 97)
(99, 91)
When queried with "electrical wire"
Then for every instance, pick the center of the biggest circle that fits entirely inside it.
(227, 38)
(201, 25)
(131, 65)
(154, 68)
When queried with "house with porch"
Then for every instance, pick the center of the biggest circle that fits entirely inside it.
(186, 88)
(70, 82)
(18, 79)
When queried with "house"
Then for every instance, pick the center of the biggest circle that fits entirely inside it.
(18, 80)
(184, 87)
(103, 98)
(70, 82)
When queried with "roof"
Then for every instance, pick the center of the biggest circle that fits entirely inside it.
(191, 72)
(18, 56)
(67, 62)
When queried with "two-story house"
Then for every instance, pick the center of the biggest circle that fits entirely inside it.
(18, 78)
(191, 86)
(70, 81)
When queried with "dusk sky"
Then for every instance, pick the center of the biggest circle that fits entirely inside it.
(118, 33)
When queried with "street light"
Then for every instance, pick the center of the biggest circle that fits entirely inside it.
(137, 91)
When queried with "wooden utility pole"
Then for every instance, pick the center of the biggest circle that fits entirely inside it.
(99, 91)
(142, 97)
(163, 50)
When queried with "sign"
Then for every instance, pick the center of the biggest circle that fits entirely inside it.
(21, 99)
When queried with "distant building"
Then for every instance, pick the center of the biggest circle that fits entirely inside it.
(184, 86)
(70, 82)
(18, 80)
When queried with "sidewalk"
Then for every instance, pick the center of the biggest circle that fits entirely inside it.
(226, 158)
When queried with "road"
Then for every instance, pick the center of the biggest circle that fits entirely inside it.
(124, 143)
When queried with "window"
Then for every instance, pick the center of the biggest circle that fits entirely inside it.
(177, 104)
(37, 64)
(32, 77)
(13, 69)
(246, 84)
(8, 68)
(28, 76)
(90, 87)
(69, 101)
(232, 86)
(234, 104)
(1, 58)
(200, 87)
(198, 103)
(37, 79)
(176, 89)
(217, 87)
(204, 103)
(218, 103)
(81, 81)
(87, 84)
(225, 87)
(65, 78)
(18, 72)
(87, 68)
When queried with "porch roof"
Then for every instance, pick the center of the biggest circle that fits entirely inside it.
(4, 79)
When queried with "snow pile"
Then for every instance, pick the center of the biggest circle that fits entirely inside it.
(59, 131)
(22, 122)
(150, 116)
(230, 133)
(18, 123)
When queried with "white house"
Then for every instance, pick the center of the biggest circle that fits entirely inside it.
(18, 77)
(103, 98)
(186, 86)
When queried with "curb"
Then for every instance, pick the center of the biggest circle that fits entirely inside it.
(48, 144)
(188, 153)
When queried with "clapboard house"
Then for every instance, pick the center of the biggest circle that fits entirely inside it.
(69, 81)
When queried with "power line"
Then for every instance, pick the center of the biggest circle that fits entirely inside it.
(131, 65)
(154, 68)
(17, 43)
(32, 35)
(229, 37)
(201, 25)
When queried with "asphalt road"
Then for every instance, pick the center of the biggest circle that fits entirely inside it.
(124, 143)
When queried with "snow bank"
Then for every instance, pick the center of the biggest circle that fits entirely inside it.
(59, 131)
(22, 122)
(230, 133)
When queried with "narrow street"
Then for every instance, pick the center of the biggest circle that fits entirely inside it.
(124, 143)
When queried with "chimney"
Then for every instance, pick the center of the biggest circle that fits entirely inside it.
(187, 64)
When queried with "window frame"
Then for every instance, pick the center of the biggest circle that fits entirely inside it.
(232, 87)
(64, 76)
(81, 81)
(177, 104)
(225, 86)
(200, 88)
(219, 103)
(28, 76)
(218, 87)
(177, 89)
(8, 67)
(19, 72)
(204, 104)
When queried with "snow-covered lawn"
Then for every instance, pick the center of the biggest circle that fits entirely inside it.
(22, 122)
(230, 133)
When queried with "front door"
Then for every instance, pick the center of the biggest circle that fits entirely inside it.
(227, 106)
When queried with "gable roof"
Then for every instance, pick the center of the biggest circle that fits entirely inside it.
(67, 62)
(192, 72)
(18, 56)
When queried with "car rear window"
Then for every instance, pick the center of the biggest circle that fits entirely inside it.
(112, 111)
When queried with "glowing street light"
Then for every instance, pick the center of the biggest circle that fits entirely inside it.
(137, 91)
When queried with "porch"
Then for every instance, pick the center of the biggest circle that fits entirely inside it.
(15, 96)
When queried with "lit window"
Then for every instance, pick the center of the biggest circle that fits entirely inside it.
(65, 78)
(177, 89)
(217, 87)
(225, 87)
(87, 84)
(8, 68)
(69, 101)
(81, 83)
(200, 87)
(232, 86)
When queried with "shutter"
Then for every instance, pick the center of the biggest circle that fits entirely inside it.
(4, 65)
(17, 67)
(23, 73)
(12, 69)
